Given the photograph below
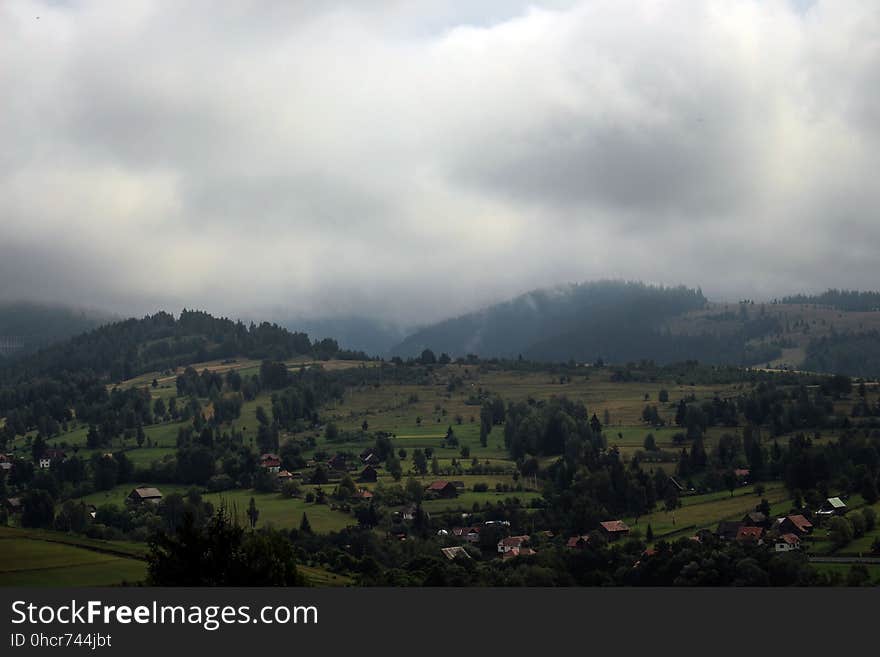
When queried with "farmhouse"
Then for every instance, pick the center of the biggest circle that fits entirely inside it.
(675, 482)
(727, 530)
(755, 519)
(614, 529)
(145, 494)
(442, 489)
(787, 543)
(368, 474)
(364, 494)
(796, 524)
(750, 535)
(271, 462)
(518, 552)
(833, 506)
(512, 542)
(577, 542)
(337, 462)
(284, 475)
(51, 455)
(469, 534)
(370, 459)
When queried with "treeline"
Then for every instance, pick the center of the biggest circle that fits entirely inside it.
(635, 339)
(159, 342)
(846, 300)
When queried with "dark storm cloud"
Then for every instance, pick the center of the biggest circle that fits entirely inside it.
(411, 160)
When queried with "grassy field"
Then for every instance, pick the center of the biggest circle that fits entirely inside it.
(280, 512)
(38, 559)
(699, 511)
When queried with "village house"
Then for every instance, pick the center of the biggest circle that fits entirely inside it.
(50, 455)
(469, 534)
(337, 462)
(750, 535)
(368, 474)
(614, 529)
(787, 543)
(13, 505)
(144, 494)
(6, 462)
(517, 552)
(270, 462)
(676, 483)
(577, 542)
(364, 494)
(728, 530)
(833, 506)
(756, 519)
(443, 489)
(371, 459)
(284, 475)
(795, 524)
(509, 543)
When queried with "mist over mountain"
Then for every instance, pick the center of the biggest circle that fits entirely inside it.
(366, 334)
(615, 321)
(26, 327)
(556, 323)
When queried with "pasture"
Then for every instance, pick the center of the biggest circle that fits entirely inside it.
(38, 559)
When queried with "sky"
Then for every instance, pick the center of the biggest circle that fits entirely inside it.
(413, 160)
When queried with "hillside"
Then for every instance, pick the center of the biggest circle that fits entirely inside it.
(622, 322)
(124, 349)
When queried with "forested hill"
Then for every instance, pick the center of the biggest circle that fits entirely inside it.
(612, 320)
(847, 300)
(125, 349)
(26, 327)
(617, 322)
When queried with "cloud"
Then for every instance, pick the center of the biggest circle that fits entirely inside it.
(413, 160)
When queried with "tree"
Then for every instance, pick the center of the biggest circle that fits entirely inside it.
(649, 533)
(346, 488)
(392, 464)
(420, 461)
(262, 418)
(221, 553)
(159, 409)
(38, 508)
(869, 489)
(414, 490)
(730, 481)
(663, 397)
(650, 443)
(141, 436)
(364, 426)
(253, 513)
(840, 532)
(304, 525)
(427, 357)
